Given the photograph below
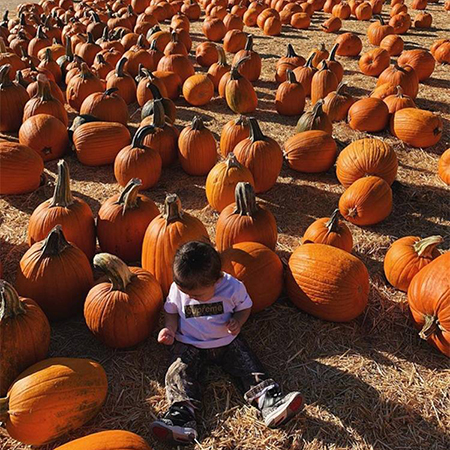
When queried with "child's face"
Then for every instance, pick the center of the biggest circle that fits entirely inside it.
(202, 294)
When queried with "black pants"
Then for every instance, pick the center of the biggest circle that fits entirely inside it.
(237, 359)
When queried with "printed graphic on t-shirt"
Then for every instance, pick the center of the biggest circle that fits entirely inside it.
(203, 309)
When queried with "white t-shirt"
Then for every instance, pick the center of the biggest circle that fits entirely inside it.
(203, 324)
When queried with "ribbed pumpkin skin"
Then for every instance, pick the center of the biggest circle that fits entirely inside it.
(98, 143)
(233, 228)
(405, 77)
(124, 319)
(108, 108)
(429, 294)
(232, 134)
(121, 233)
(417, 127)
(107, 440)
(259, 268)
(53, 397)
(368, 114)
(327, 282)
(318, 233)
(24, 340)
(12, 100)
(420, 60)
(241, 96)
(444, 167)
(20, 168)
(58, 284)
(367, 201)
(366, 157)
(402, 262)
(311, 151)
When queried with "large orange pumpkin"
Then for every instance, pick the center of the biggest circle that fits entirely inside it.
(364, 157)
(124, 311)
(259, 268)
(367, 201)
(368, 114)
(327, 282)
(72, 213)
(429, 303)
(407, 256)
(329, 231)
(164, 235)
(404, 76)
(245, 221)
(262, 155)
(53, 397)
(56, 274)
(107, 440)
(420, 60)
(24, 334)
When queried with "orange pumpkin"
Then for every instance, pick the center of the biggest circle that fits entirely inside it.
(290, 96)
(53, 397)
(329, 231)
(336, 104)
(407, 256)
(323, 82)
(365, 157)
(367, 201)
(198, 90)
(291, 61)
(81, 86)
(259, 268)
(327, 282)
(375, 61)
(420, 60)
(107, 106)
(428, 300)
(122, 81)
(405, 77)
(444, 167)
(233, 132)
(393, 43)
(206, 54)
(250, 68)
(245, 221)
(218, 69)
(378, 30)
(164, 235)
(368, 114)
(24, 334)
(349, 45)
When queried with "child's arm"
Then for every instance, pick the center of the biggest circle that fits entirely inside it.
(167, 334)
(237, 320)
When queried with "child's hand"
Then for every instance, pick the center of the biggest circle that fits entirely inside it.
(233, 326)
(166, 336)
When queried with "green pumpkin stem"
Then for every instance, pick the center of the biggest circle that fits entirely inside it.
(232, 161)
(235, 75)
(138, 138)
(62, 196)
(430, 327)
(333, 52)
(290, 53)
(120, 67)
(241, 121)
(424, 248)
(10, 304)
(197, 123)
(159, 114)
(129, 197)
(90, 38)
(249, 43)
(222, 57)
(172, 209)
(156, 93)
(4, 76)
(333, 223)
(290, 76)
(115, 269)
(245, 200)
(310, 60)
(55, 243)
(255, 131)
(110, 91)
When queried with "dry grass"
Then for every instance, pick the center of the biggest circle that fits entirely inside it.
(369, 384)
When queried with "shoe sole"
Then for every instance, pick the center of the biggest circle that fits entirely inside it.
(289, 410)
(174, 435)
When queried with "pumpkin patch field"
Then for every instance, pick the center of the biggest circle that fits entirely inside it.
(308, 141)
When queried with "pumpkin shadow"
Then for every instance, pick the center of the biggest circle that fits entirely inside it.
(433, 105)
(437, 83)
(101, 174)
(10, 256)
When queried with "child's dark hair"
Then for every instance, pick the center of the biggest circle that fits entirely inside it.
(196, 264)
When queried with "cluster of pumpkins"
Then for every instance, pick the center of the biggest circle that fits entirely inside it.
(108, 55)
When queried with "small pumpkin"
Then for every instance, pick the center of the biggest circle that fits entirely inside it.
(428, 300)
(331, 25)
(323, 82)
(368, 114)
(122, 81)
(218, 69)
(407, 256)
(222, 180)
(393, 43)
(310, 151)
(365, 157)
(444, 167)
(206, 54)
(291, 61)
(367, 201)
(327, 282)
(262, 155)
(336, 104)
(198, 90)
(232, 133)
(72, 213)
(57, 274)
(319, 54)
(405, 77)
(349, 44)
(398, 101)
(422, 21)
(375, 61)
(24, 334)
(290, 96)
(245, 221)
(259, 268)
(329, 231)
(250, 68)
(304, 75)
(334, 65)
(164, 235)
(314, 119)
(378, 30)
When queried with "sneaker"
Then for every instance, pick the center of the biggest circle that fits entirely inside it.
(176, 427)
(277, 408)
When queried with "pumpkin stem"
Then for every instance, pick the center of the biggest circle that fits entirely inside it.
(424, 247)
(172, 209)
(90, 38)
(129, 196)
(4, 76)
(156, 93)
(310, 60)
(174, 36)
(317, 109)
(340, 90)
(333, 53)
(245, 200)
(120, 65)
(241, 121)
(55, 243)
(138, 138)
(85, 73)
(333, 223)
(48, 57)
(255, 131)
(430, 327)
(222, 57)
(197, 123)
(235, 75)
(4, 409)
(44, 92)
(232, 161)
(399, 91)
(379, 18)
(115, 269)
(141, 41)
(324, 65)
(290, 76)
(159, 115)
(109, 92)
(249, 43)
(10, 304)
(290, 53)
(62, 196)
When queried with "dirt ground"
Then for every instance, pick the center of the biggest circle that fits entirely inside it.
(371, 384)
